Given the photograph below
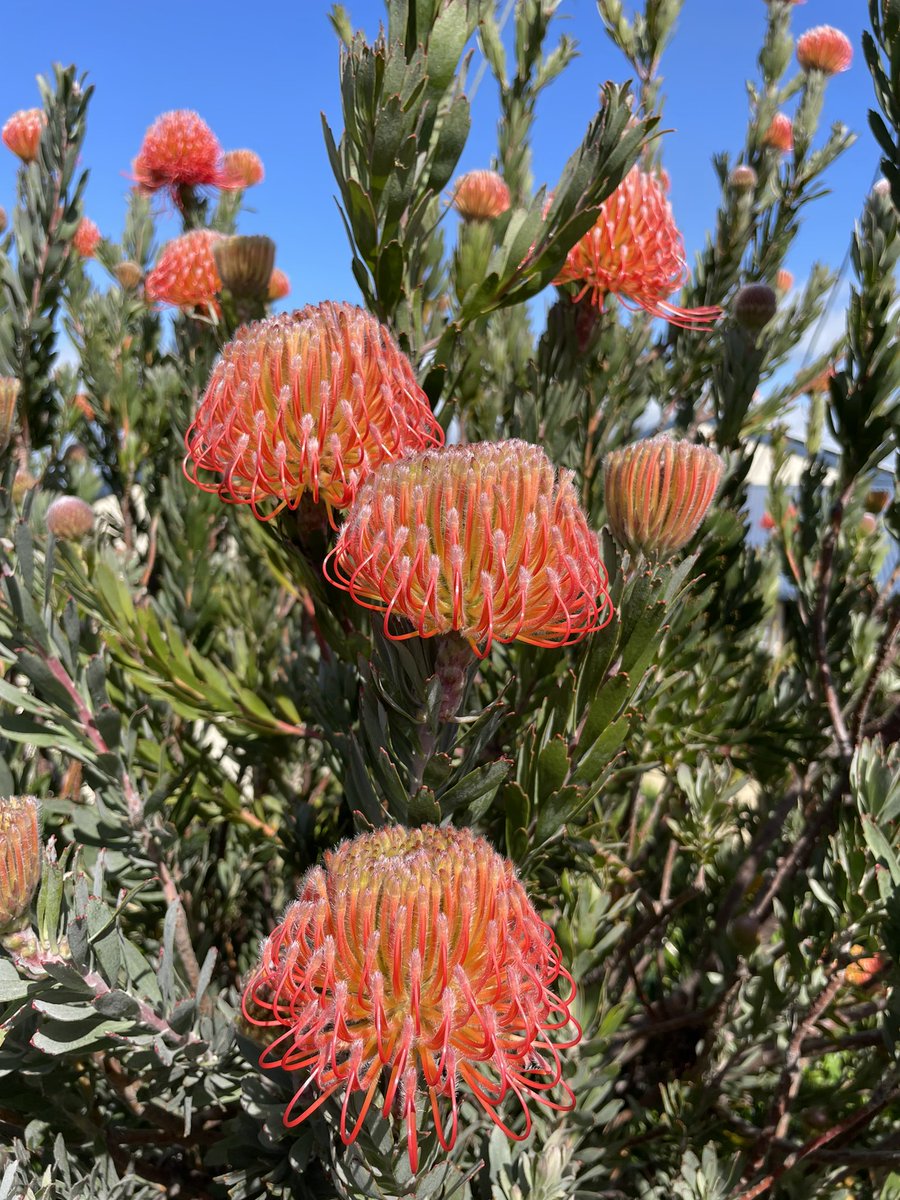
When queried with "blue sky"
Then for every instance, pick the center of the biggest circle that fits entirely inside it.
(260, 77)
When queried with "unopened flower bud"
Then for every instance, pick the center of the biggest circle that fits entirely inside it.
(279, 284)
(22, 132)
(780, 134)
(755, 305)
(20, 859)
(129, 274)
(9, 395)
(743, 178)
(657, 492)
(481, 196)
(243, 167)
(245, 264)
(87, 238)
(861, 972)
(868, 524)
(70, 518)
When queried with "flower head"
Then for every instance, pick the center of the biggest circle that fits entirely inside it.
(9, 398)
(414, 960)
(87, 238)
(279, 284)
(780, 134)
(22, 132)
(784, 280)
(307, 402)
(244, 167)
(20, 858)
(185, 274)
(69, 518)
(657, 492)
(481, 540)
(635, 252)
(480, 196)
(824, 49)
(180, 150)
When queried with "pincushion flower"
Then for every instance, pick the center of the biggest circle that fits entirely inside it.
(279, 284)
(780, 134)
(180, 150)
(824, 49)
(635, 252)
(244, 167)
(480, 196)
(481, 540)
(414, 962)
(186, 274)
(657, 492)
(87, 238)
(306, 403)
(22, 132)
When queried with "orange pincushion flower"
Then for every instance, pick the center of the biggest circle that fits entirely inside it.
(481, 196)
(22, 132)
(480, 540)
(657, 492)
(244, 167)
(180, 150)
(279, 284)
(87, 238)
(309, 401)
(635, 252)
(414, 959)
(824, 49)
(186, 274)
(780, 134)
(784, 280)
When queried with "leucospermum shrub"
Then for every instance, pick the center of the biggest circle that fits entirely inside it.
(441, 756)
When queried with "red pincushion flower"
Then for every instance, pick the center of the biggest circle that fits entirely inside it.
(780, 134)
(824, 49)
(481, 540)
(186, 274)
(87, 238)
(279, 284)
(481, 196)
(22, 132)
(657, 492)
(310, 401)
(244, 167)
(414, 959)
(635, 252)
(180, 150)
